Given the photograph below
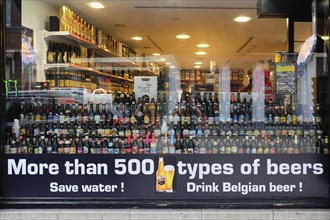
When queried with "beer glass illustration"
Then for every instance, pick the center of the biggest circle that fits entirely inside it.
(169, 176)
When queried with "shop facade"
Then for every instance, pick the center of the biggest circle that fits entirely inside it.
(90, 118)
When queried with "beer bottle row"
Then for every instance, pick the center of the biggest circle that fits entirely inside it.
(67, 78)
(98, 144)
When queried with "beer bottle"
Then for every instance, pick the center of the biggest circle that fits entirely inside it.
(116, 146)
(290, 147)
(326, 145)
(240, 147)
(253, 145)
(80, 146)
(110, 146)
(160, 176)
(228, 145)
(178, 149)
(317, 116)
(128, 145)
(153, 145)
(50, 53)
(209, 146)
(141, 146)
(67, 145)
(191, 145)
(86, 145)
(202, 145)
(296, 149)
(184, 146)
(165, 145)
(247, 145)
(49, 148)
(171, 146)
(73, 147)
(135, 149)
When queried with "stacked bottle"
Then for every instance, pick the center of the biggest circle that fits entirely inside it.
(193, 125)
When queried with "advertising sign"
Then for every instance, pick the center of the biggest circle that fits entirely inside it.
(183, 176)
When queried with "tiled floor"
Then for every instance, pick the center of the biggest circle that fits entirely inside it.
(164, 214)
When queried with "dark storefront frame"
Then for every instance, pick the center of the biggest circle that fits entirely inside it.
(157, 202)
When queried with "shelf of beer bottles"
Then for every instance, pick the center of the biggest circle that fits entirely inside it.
(73, 38)
(70, 66)
(115, 77)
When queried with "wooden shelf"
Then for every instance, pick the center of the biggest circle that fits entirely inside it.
(70, 66)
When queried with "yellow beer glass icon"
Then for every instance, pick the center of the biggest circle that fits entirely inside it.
(169, 176)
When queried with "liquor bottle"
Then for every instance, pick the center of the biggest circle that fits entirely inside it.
(157, 129)
(110, 146)
(160, 176)
(147, 145)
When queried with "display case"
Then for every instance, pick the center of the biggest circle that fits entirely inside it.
(99, 121)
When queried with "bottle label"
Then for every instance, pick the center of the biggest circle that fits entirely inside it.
(172, 150)
(111, 151)
(211, 120)
(161, 180)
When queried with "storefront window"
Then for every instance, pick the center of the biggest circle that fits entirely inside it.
(183, 97)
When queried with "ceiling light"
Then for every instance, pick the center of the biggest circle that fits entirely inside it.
(198, 63)
(203, 45)
(182, 36)
(136, 38)
(197, 67)
(162, 59)
(242, 19)
(200, 53)
(172, 67)
(156, 54)
(167, 63)
(96, 5)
